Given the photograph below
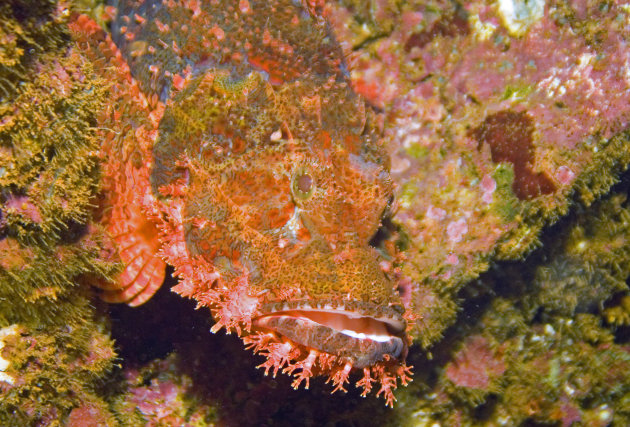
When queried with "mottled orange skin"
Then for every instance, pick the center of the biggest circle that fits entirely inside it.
(239, 154)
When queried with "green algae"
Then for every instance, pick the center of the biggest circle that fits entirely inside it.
(505, 202)
(418, 151)
(48, 182)
(588, 264)
(611, 157)
(55, 371)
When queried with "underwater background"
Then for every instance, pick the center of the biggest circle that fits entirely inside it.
(507, 127)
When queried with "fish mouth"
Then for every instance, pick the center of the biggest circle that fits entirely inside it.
(346, 331)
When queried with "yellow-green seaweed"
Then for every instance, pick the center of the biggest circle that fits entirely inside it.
(59, 349)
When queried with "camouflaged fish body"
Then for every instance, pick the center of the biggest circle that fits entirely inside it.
(236, 151)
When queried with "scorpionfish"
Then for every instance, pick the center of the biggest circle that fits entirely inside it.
(235, 150)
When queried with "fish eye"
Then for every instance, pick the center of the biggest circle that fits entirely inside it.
(303, 184)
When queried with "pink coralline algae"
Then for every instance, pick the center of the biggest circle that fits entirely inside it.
(488, 185)
(159, 395)
(456, 231)
(476, 365)
(564, 175)
(21, 205)
(88, 414)
(149, 399)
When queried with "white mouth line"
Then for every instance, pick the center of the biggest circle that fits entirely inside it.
(362, 336)
(397, 324)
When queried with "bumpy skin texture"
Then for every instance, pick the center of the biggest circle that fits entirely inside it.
(239, 154)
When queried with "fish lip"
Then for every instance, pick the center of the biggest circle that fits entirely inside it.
(359, 332)
(391, 315)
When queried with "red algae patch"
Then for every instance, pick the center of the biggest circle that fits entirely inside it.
(509, 135)
(451, 25)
